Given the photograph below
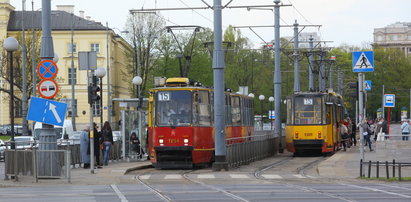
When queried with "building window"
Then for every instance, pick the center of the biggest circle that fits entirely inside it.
(18, 109)
(379, 38)
(96, 109)
(409, 50)
(394, 37)
(72, 74)
(71, 48)
(69, 108)
(409, 37)
(95, 47)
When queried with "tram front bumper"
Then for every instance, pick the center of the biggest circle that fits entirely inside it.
(308, 144)
(174, 157)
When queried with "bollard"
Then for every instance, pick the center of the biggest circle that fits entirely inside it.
(386, 169)
(361, 168)
(393, 168)
(369, 169)
(399, 172)
(378, 169)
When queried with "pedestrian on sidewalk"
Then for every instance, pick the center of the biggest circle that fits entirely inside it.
(85, 147)
(353, 133)
(405, 130)
(97, 142)
(343, 131)
(107, 135)
(366, 132)
(384, 128)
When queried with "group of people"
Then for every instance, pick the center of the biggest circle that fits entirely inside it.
(103, 140)
(370, 130)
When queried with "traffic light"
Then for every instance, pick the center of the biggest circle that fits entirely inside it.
(93, 89)
(354, 89)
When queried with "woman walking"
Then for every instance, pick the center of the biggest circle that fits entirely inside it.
(107, 135)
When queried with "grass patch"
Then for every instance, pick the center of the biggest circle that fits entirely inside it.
(391, 179)
(5, 137)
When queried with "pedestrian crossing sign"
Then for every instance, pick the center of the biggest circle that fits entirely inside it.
(363, 61)
(367, 85)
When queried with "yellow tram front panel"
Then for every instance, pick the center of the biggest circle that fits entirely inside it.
(309, 137)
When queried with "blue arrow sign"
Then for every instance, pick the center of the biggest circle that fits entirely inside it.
(363, 61)
(47, 111)
(367, 85)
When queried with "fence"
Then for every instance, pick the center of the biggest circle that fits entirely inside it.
(242, 151)
(387, 165)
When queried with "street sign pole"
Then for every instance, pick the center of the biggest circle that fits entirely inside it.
(361, 114)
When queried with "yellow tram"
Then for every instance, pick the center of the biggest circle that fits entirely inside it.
(312, 121)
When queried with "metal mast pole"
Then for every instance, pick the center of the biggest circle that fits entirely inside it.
(296, 74)
(382, 102)
(321, 74)
(340, 82)
(218, 74)
(33, 52)
(277, 73)
(311, 63)
(73, 99)
(361, 113)
(108, 77)
(24, 54)
(330, 77)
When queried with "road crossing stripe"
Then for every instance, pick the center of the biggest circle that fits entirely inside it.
(267, 176)
(298, 176)
(145, 177)
(239, 176)
(172, 177)
(206, 176)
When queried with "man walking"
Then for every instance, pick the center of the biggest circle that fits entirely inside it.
(405, 130)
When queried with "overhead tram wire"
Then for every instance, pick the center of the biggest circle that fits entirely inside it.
(197, 11)
(295, 8)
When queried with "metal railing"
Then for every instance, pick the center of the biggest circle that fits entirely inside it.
(244, 150)
(37, 163)
(387, 165)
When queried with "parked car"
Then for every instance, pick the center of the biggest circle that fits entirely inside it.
(24, 142)
(3, 130)
(2, 150)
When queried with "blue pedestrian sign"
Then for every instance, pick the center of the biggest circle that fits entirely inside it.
(363, 61)
(367, 85)
(389, 100)
(47, 111)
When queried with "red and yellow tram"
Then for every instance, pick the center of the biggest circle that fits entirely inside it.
(181, 125)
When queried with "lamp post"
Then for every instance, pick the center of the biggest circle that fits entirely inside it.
(100, 73)
(137, 80)
(271, 99)
(261, 98)
(11, 44)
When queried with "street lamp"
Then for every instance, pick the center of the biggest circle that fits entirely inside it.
(100, 73)
(271, 99)
(261, 98)
(11, 44)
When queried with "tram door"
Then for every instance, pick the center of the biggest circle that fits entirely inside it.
(133, 122)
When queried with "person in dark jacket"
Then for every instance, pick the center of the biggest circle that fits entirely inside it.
(107, 136)
(97, 142)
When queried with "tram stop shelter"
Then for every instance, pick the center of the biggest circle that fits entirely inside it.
(133, 120)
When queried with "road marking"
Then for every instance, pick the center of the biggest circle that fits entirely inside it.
(266, 176)
(397, 187)
(206, 176)
(145, 177)
(377, 190)
(119, 194)
(172, 177)
(239, 176)
(298, 176)
(312, 177)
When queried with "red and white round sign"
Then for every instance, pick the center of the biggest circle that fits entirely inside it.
(47, 88)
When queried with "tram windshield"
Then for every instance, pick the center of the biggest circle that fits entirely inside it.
(173, 108)
(308, 110)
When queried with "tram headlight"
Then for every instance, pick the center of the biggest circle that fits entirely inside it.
(319, 134)
(186, 141)
(161, 141)
(296, 135)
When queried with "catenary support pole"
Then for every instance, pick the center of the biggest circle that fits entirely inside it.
(108, 76)
(382, 101)
(361, 113)
(277, 74)
(311, 64)
(295, 54)
(330, 77)
(24, 68)
(73, 98)
(218, 73)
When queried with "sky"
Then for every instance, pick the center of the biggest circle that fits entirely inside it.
(349, 22)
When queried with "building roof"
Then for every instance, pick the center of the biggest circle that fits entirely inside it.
(60, 21)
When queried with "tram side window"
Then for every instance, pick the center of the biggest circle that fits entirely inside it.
(204, 108)
(308, 110)
(227, 108)
(235, 111)
(289, 112)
